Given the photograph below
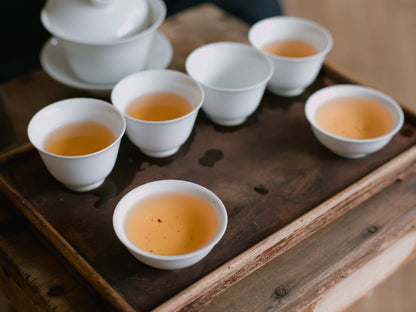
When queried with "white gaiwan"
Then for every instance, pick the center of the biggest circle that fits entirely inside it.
(104, 40)
(95, 20)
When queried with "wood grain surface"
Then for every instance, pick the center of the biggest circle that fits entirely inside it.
(296, 172)
(292, 283)
(37, 277)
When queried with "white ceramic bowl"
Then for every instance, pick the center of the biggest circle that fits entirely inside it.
(234, 76)
(158, 187)
(291, 74)
(158, 138)
(107, 61)
(352, 148)
(85, 172)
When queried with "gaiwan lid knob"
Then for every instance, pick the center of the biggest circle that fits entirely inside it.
(95, 20)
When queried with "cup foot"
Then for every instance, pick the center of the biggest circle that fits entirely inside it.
(160, 154)
(285, 92)
(228, 122)
(351, 156)
(85, 188)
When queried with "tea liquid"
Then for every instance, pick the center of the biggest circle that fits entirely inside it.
(171, 224)
(354, 118)
(290, 48)
(159, 106)
(79, 138)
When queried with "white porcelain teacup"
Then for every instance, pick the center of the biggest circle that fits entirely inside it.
(84, 172)
(157, 188)
(361, 120)
(234, 76)
(158, 138)
(292, 74)
(103, 60)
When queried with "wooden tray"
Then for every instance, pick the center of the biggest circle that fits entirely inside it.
(269, 172)
(278, 183)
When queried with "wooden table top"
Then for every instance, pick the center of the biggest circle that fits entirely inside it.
(302, 278)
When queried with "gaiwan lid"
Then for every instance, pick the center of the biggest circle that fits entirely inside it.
(91, 21)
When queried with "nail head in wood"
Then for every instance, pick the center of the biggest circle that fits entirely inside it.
(281, 292)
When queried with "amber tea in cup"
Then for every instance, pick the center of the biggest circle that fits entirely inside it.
(159, 106)
(290, 48)
(79, 138)
(171, 224)
(297, 48)
(155, 98)
(353, 121)
(354, 118)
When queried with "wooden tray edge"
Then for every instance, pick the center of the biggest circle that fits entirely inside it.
(58, 242)
(199, 294)
(15, 153)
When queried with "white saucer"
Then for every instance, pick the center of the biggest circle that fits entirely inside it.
(54, 64)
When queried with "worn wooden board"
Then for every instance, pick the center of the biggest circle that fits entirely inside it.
(335, 266)
(268, 172)
(32, 277)
(278, 183)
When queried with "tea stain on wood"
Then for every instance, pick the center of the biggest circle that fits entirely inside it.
(210, 157)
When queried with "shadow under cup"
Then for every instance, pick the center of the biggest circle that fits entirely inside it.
(84, 172)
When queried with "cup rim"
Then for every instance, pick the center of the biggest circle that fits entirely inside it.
(62, 102)
(151, 28)
(309, 112)
(236, 44)
(156, 71)
(316, 25)
(121, 210)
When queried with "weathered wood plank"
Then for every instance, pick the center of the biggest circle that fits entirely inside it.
(32, 276)
(367, 277)
(201, 292)
(374, 238)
